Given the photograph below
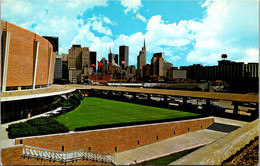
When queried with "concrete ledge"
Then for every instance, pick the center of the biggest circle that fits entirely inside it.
(12, 98)
(11, 146)
(220, 150)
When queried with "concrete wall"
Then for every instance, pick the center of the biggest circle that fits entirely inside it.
(124, 138)
(220, 150)
(21, 58)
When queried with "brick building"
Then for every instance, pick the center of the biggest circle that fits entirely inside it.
(157, 64)
(27, 59)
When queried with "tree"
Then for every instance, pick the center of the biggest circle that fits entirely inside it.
(224, 56)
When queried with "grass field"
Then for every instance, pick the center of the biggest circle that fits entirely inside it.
(96, 111)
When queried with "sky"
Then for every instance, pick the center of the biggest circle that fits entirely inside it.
(186, 31)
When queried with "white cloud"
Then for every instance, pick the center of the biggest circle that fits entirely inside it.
(57, 18)
(107, 20)
(97, 26)
(251, 55)
(131, 5)
(85, 3)
(229, 27)
(139, 16)
(171, 34)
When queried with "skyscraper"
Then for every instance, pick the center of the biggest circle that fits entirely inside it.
(78, 63)
(123, 56)
(58, 67)
(93, 59)
(141, 60)
(54, 41)
(157, 64)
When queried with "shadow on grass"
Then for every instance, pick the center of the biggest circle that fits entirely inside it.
(168, 159)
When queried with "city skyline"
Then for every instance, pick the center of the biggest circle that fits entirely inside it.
(199, 36)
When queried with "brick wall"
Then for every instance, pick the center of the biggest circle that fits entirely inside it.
(20, 60)
(123, 138)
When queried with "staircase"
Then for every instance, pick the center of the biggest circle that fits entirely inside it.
(65, 157)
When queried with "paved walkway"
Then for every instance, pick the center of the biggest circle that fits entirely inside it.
(177, 143)
(168, 146)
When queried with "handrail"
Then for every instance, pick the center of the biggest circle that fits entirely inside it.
(63, 157)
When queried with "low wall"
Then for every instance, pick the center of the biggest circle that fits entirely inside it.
(116, 139)
(220, 150)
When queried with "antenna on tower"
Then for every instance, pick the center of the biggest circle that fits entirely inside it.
(110, 49)
(144, 42)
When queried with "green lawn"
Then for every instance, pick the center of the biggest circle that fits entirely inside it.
(96, 111)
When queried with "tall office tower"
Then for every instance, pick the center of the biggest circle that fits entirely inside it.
(65, 74)
(157, 64)
(146, 70)
(78, 57)
(54, 41)
(141, 60)
(58, 67)
(123, 56)
(85, 62)
(130, 71)
(93, 59)
(78, 63)
(74, 53)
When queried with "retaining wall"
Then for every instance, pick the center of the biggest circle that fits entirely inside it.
(105, 140)
(116, 139)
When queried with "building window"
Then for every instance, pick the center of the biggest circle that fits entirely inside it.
(138, 142)
(157, 137)
(115, 149)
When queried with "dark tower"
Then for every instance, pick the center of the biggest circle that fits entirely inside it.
(54, 41)
(123, 56)
(93, 59)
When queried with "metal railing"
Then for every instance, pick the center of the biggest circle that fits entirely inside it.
(64, 157)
